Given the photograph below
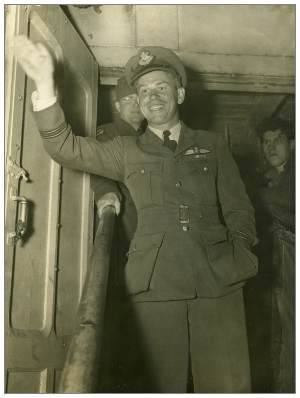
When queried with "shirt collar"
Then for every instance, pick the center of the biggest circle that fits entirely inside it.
(175, 132)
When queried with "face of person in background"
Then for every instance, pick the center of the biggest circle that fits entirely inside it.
(129, 110)
(159, 96)
(276, 147)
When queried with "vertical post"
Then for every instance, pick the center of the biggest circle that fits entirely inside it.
(81, 369)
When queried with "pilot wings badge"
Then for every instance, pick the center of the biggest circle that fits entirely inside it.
(145, 58)
(197, 152)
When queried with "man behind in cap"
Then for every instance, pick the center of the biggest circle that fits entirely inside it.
(190, 255)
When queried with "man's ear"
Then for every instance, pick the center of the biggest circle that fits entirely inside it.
(180, 95)
(118, 106)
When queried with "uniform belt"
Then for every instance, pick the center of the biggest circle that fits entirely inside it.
(181, 215)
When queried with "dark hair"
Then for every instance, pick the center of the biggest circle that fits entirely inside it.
(275, 123)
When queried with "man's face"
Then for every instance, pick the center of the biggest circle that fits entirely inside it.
(276, 147)
(129, 110)
(158, 98)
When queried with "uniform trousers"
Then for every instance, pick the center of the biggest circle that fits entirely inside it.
(165, 341)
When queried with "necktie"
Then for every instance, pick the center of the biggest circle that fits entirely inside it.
(171, 144)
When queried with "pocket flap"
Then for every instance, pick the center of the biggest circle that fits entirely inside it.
(143, 242)
(143, 168)
(203, 166)
(211, 236)
(231, 262)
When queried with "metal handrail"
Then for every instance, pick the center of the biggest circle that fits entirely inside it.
(81, 368)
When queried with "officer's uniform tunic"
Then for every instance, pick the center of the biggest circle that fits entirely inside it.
(188, 251)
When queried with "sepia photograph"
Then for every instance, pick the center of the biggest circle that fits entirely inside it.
(149, 189)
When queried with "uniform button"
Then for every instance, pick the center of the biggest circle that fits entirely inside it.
(178, 184)
(205, 168)
(185, 228)
(143, 171)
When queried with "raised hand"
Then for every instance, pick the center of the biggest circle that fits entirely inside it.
(37, 63)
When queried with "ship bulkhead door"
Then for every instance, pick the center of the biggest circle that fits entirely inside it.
(48, 209)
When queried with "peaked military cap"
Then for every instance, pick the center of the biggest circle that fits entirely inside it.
(123, 88)
(153, 58)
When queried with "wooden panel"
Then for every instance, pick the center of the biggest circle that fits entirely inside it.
(238, 29)
(257, 82)
(251, 70)
(157, 25)
(215, 41)
(113, 26)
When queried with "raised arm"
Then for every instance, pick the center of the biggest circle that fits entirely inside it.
(68, 149)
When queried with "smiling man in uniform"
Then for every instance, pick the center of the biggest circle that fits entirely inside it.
(190, 255)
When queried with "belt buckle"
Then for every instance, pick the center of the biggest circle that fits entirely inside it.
(184, 214)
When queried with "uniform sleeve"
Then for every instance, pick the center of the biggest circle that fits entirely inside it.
(236, 207)
(76, 152)
(102, 185)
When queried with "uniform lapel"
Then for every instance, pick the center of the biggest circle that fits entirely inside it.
(151, 143)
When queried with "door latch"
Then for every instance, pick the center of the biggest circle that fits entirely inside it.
(22, 220)
(16, 171)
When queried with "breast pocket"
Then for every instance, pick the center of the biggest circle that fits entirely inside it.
(144, 181)
(199, 176)
(142, 258)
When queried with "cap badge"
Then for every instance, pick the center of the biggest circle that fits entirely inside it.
(145, 58)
